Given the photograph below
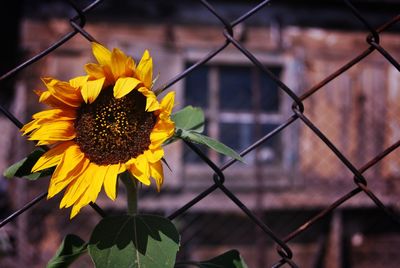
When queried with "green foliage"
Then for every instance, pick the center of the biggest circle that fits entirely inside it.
(210, 143)
(70, 249)
(230, 259)
(189, 124)
(189, 118)
(145, 241)
(23, 167)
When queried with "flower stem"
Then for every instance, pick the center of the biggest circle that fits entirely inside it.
(131, 192)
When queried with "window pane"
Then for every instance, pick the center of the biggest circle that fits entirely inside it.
(190, 157)
(270, 90)
(271, 150)
(196, 86)
(236, 135)
(235, 88)
(239, 136)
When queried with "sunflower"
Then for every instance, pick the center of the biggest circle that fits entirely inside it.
(100, 125)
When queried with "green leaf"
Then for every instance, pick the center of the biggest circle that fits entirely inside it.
(189, 123)
(23, 167)
(70, 249)
(210, 143)
(230, 259)
(145, 241)
(189, 118)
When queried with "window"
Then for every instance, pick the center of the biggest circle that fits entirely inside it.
(241, 104)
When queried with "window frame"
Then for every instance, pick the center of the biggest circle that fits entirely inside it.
(272, 174)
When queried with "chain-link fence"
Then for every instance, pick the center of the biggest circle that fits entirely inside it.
(284, 253)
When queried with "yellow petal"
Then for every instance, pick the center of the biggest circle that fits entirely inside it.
(47, 117)
(46, 142)
(161, 132)
(58, 185)
(95, 180)
(91, 89)
(82, 201)
(144, 69)
(66, 196)
(167, 103)
(95, 187)
(124, 86)
(54, 131)
(110, 181)
(46, 98)
(56, 114)
(63, 91)
(118, 61)
(122, 168)
(29, 127)
(95, 71)
(129, 67)
(152, 103)
(154, 155)
(78, 81)
(102, 54)
(72, 156)
(140, 169)
(156, 171)
(79, 187)
(52, 157)
(78, 206)
(70, 159)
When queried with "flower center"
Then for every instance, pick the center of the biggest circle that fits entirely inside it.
(111, 131)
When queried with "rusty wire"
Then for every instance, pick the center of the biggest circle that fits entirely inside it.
(217, 183)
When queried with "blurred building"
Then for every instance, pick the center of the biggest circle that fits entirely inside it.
(286, 180)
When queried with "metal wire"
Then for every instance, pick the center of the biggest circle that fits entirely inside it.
(218, 180)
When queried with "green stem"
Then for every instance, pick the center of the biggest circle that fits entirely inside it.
(131, 192)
